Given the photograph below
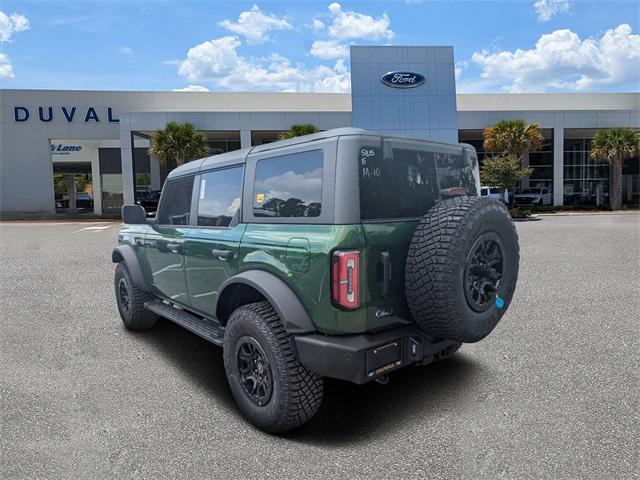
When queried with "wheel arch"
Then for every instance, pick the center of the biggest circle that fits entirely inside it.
(125, 254)
(257, 285)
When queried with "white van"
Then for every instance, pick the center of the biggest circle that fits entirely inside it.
(494, 192)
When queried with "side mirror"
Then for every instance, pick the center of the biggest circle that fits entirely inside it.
(133, 214)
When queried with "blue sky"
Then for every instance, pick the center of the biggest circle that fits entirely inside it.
(517, 46)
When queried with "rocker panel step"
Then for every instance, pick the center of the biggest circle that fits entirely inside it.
(211, 331)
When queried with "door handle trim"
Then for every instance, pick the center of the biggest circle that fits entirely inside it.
(175, 247)
(223, 255)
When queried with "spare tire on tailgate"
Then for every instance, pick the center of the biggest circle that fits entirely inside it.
(462, 268)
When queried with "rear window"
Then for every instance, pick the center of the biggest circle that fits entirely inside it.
(409, 184)
(289, 185)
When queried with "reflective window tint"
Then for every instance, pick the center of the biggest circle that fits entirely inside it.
(219, 198)
(408, 185)
(176, 202)
(289, 185)
(405, 186)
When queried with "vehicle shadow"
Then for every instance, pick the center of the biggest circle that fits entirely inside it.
(197, 359)
(349, 413)
(354, 413)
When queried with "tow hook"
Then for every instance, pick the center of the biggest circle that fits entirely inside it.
(382, 379)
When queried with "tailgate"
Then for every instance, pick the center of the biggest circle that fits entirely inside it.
(387, 246)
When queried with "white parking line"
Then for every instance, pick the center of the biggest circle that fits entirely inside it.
(95, 228)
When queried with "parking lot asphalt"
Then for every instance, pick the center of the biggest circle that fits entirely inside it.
(552, 393)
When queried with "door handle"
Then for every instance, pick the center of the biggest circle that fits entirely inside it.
(174, 246)
(223, 255)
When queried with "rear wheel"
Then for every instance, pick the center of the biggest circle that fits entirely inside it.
(131, 300)
(273, 390)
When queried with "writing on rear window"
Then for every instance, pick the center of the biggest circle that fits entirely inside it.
(408, 184)
(365, 155)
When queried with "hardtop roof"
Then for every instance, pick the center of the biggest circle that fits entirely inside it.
(237, 157)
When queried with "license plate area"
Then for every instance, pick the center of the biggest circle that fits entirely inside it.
(384, 358)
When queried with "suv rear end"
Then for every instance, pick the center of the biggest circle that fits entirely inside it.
(384, 186)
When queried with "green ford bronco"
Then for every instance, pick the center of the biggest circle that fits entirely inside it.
(342, 254)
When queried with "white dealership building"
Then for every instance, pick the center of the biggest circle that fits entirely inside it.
(66, 151)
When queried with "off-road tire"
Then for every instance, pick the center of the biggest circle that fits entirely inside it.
(134, 316)
(438, 258)
(296, 392)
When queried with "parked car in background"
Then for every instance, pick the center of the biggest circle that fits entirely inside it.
(533, 196)
(494, 192)
(148, 199)
(84, 200)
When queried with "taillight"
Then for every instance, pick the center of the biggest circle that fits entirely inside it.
(454, 192)
(345, 271)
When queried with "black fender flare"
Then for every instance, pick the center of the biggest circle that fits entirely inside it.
(126, 255)
(292, 313)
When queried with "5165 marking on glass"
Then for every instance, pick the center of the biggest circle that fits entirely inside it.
(365, 155)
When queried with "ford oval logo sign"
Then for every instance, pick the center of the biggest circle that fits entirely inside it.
(402, 79)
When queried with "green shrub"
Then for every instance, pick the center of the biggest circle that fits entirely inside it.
(520, 212)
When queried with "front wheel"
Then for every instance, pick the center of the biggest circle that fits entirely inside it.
(131, 300)
(273, 390)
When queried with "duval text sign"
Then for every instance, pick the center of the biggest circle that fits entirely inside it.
(68, 114)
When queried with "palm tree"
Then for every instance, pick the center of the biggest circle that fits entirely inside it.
(515, 138)
(615, 146)
(298, 131)
(179, 141)
(510, 141)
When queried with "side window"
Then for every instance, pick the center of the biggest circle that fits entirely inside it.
(289, 185)
(176, 202)
(219, 199)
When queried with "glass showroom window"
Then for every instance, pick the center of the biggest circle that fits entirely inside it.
(112, 192)
(542, 163)
(586, 181)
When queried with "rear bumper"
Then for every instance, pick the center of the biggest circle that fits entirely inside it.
(361, 358)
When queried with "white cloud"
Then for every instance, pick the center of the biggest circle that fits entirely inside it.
(561, 60)
(219, 62)
(192, 88)
(6, 70)
(547, 9)
(317, 25)
(211, 59)
(10, 24)
(348, 25)
(128, 51)
(254, 25)
(329, 49)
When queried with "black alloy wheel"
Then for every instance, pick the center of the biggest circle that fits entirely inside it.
(483, 272)
(123, 292)
(255, 372)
